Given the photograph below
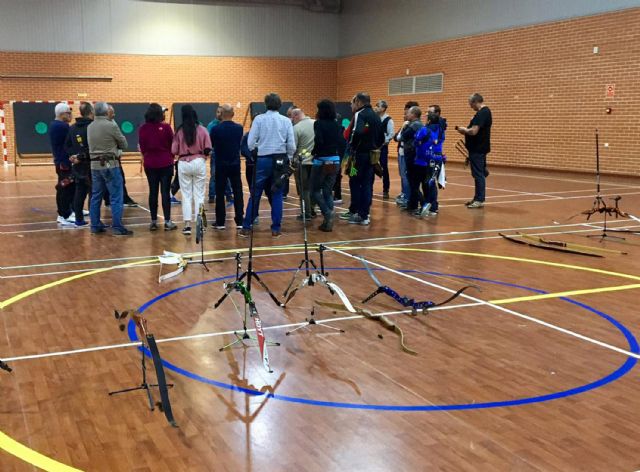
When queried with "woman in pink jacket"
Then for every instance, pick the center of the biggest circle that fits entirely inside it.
(192, 145)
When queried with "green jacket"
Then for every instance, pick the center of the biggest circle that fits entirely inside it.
(105, 140)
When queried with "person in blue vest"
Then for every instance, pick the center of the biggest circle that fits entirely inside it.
(429, 141)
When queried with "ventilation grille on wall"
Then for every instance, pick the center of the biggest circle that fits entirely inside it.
(431, 83)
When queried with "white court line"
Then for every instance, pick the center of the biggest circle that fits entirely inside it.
(497, 307)
(220, 333)
(420, 243)
(548, 199)
(558, 179)
(519, 192)
(343, 241)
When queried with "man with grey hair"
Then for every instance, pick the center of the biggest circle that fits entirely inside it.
(477, 140)
(106, 142)
(388, 130)
(302, 159)
(126, 199)
(65, 188)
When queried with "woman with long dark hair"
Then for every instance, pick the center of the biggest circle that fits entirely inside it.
(155, 137)
(326, 160)
(192, 145)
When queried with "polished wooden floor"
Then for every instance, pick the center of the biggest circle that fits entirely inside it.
(485, 356)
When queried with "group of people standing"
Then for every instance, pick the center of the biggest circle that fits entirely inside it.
(87, 158)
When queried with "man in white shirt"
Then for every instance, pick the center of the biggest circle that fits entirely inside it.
(272, 136)
(387, 129)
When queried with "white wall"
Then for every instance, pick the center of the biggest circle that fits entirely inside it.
(154, 28)
(375, 25)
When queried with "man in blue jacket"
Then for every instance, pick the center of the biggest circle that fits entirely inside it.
(226, 139)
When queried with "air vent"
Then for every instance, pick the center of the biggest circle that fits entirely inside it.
(402, 86)
(431, 83)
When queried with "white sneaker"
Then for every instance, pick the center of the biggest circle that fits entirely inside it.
(72, 217)
(65, 222)
(85, 212)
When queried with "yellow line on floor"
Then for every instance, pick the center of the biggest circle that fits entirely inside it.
(568, 293)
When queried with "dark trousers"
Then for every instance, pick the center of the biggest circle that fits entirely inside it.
(384, 163)
(248, 174)
(337, 186)
(175, 184)
(83, 187)
(417, 178)
(304, 188)
(125, 195)
(224, 176)
(431, 195)
(159, 179)
(65, 190)
(322, 180)
(361, 186)
(478, 164)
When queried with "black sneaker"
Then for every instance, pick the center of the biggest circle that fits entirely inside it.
(130, 203)
(153, 226)
(186, 230)
(122, 232)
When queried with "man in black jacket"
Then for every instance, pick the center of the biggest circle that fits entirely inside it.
(477, 140)
(416, 174)
(77, 146)
(364, 135)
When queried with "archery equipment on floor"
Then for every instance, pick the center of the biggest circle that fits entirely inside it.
(405, 301)
(238, 285)
(171, 258)
(5, 366)
(201, 226)
(311, 321)
(600, 205)
(318, 276)
(150, 348)
(249, 310)
(560, 246)
(382, 319)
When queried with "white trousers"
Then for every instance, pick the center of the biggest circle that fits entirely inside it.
(192, 176)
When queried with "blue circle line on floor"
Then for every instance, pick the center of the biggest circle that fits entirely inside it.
(613, 376)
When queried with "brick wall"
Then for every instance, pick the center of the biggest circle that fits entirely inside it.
(166, 79)
(544, 84)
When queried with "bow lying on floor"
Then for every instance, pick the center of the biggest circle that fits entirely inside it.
(318, 278)
(382, 319)
(406, 301)
(239, 286)
(146, 336)
(172, 258)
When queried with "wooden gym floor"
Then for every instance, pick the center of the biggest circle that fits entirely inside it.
(539, 383)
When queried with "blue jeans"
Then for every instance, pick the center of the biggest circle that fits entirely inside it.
(264, 172)
(404, 179)
(106, 180)
(361, 185)
(478, 163)
(212, 181)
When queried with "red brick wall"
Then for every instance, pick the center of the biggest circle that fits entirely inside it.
(543, 83)
(166, 79)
